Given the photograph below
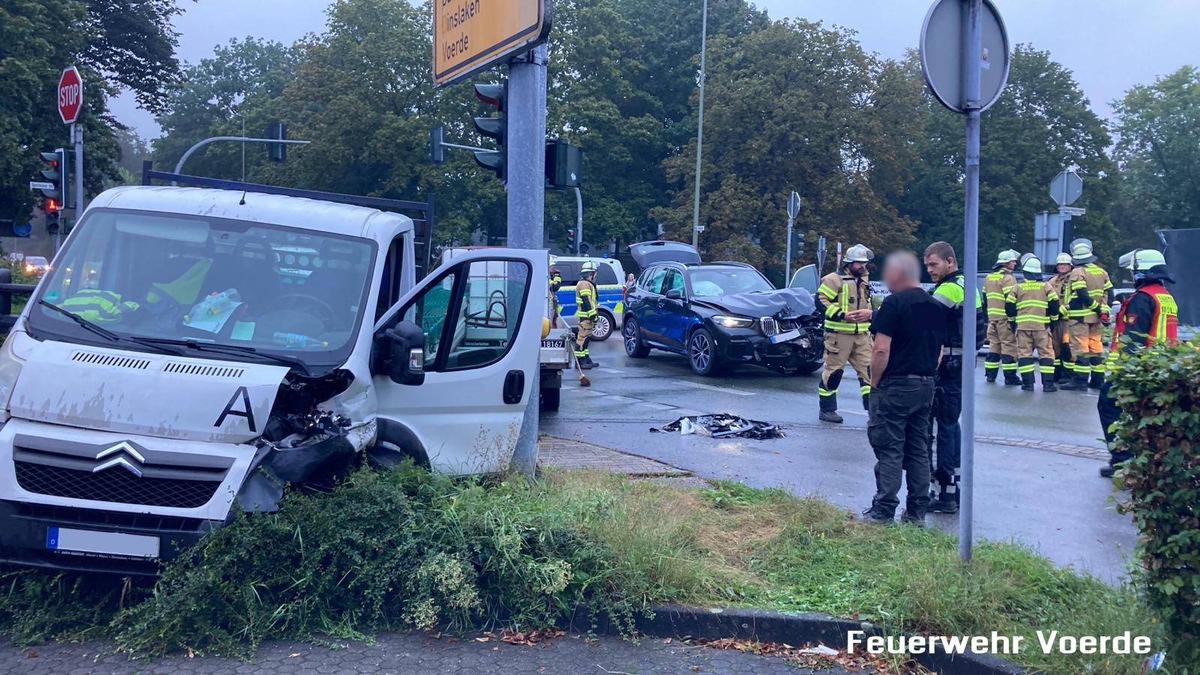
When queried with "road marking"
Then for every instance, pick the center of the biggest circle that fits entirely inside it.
(657, 406)
(854, 412)
(723, 390)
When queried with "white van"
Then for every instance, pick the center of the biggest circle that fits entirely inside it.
(232, 343)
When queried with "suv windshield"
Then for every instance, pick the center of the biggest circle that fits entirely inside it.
(713, 282)
(209, 281)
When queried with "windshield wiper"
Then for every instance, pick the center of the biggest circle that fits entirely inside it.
(234, 349)
(83, 323)
(104, 332)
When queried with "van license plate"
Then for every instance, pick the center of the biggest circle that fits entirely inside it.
(553, 344)
(785, 337)
(103, 543)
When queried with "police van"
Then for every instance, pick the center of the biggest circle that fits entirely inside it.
(224, 345)
(610, 289)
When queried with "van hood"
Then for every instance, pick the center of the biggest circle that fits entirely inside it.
(144, 394)
(787, 303)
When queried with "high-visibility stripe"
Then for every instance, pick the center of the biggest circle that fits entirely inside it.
(826, 393)
(1032, 303)
(865, 389)
(828, 292)
(1029, 318)
(1026, 369)
(842, 327)
(832, 311)
(1009, 366)
(991, 365)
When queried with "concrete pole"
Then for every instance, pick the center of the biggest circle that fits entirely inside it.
(700, 127)
(526, 147)
(973, 48)
(578, 219)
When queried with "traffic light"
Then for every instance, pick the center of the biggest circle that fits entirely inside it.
(437, 149)
(571, 240)
(277, 152)
(58, 171)
(53, 215)
(563, 164)
(496, 95)
(797, 244)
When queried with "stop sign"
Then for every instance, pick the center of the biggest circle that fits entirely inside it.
(70, 95)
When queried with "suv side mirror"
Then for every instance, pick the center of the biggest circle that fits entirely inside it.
(406, 364)
(675, 294)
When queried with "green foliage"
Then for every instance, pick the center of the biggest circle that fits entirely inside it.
(1158, 390)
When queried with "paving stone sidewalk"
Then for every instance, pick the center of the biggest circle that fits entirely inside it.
(412, 653)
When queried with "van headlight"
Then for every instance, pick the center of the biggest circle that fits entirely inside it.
(732, 321)
(11, 362)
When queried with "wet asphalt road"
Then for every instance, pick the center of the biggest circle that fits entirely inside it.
(1037, 454)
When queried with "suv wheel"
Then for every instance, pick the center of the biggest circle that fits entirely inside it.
(635, 347)
(702, 352)
(602, 326)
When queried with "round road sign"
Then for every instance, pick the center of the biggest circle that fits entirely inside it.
(70, 95)
(942, 38)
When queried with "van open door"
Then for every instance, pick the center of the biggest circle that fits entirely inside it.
(457, 400)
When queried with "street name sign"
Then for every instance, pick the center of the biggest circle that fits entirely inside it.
(473, 35)
(1072, 211)
(70, 95)
(942, 43)
(35, 185)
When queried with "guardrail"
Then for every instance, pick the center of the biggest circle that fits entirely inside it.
(7, 290)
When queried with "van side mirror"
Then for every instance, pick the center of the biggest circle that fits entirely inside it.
(674, 294)
(406, 364)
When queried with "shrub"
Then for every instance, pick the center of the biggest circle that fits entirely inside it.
(1159, 392)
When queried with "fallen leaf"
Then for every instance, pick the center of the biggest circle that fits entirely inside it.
(31, 654)
(482, 639)
(293, 655)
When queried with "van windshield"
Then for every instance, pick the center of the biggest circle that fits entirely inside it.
(209, 280)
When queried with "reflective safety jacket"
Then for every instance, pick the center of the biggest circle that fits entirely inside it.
(951, 292)
(585, 298)
(98, 306)
(1059, 283)
(995, 289)
(1089, 292)
(840, 294)
(1150, 316)
(1032, 305)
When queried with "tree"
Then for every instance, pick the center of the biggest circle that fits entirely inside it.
(808, 122)
(1042, 124)
(1159, 157)
(132, 43)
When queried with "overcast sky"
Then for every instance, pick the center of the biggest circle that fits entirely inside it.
(1110, 45)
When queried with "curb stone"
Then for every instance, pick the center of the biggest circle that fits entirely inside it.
(795, 628)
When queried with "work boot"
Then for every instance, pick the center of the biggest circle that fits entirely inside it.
(991, 376)
(1097, 380)
(1011, 379)
(586, 363)
(912, 521)
(945, 502)
(1107, 471)
(878, 517)
(1026, 381)
(1077, 383)
(830, 416)
(1048, 385)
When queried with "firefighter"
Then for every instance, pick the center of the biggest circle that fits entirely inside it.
(1089, 296)
(1150, 316)
(1060, 335)
(555, 284)
(1033, 307)
(950, 291)
(1002, 343)
(845, 299)
(585, 300)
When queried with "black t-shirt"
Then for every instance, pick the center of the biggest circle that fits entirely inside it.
(917, 325)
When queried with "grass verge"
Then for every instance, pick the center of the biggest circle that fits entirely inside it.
(411, 550)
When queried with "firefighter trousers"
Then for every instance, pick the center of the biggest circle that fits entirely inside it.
(1002, 351)
(1087, 346)
(583, 338)
(840, 349)
(1028, 342)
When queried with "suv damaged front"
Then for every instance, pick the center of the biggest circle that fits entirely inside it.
(171, 371)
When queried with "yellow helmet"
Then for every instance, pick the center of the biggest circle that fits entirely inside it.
(1142, 259)
(858, 253)
(1031, 266)
(1081, 252)
(1063, 259)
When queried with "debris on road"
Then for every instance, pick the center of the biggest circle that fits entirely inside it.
(818, 657)
(723, 425)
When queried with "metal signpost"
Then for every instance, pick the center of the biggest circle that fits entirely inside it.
(70, 105)
(793, 210)
(965, 58)
(1052, 231)
(473, 35)
(696, 227)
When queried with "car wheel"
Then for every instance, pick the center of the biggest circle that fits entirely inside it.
(602, 326)
(549, 399)
(635, 347)
(702, 353)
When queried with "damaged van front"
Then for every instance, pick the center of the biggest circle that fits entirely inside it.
(192, 354)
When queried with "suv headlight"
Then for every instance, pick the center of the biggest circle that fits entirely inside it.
(733, 321)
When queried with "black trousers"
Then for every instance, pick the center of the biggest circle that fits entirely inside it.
(947, 409)
(899, 434)
(1110, 412)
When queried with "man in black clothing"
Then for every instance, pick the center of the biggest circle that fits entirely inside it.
(910, 332)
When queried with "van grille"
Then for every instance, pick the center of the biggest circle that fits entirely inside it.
(110, 360)
(200, 370)
(114, 485)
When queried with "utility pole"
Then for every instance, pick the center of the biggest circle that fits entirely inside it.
(578, 219)
(700, 127)
(526, 147)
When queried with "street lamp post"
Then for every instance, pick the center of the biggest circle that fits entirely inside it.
(700, 128)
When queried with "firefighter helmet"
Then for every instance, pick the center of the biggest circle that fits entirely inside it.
(1142, 259)
(1031, 267)
(1081, 252)
(1006, 257)
(858, 253)
(1063, 259)
(589, 267)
